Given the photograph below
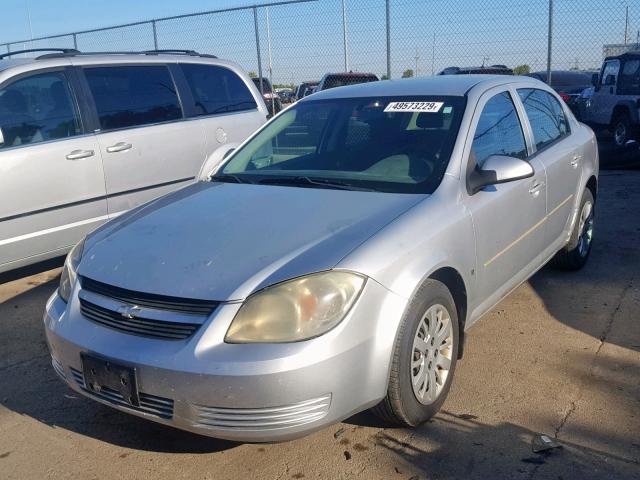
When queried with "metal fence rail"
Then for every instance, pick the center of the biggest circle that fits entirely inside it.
(301, 40)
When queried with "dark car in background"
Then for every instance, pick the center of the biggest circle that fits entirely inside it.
(568, 84)
(333, 80)
(304, 89)
(482, 70)
(271, 99)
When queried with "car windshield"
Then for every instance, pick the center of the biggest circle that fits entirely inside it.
(387, 144)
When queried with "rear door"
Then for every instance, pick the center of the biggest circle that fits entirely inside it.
(508, 217)
(147, 147)
(51, 178)
(560, 155)
(221, 103)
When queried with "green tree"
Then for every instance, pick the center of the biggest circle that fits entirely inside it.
(384, 77)
(522, 69)
(253, 74)
(408, 73)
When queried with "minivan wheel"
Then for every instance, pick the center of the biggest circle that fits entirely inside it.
(576, 253)
(424, 358)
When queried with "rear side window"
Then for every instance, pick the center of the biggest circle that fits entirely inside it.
(131, 96)
(629, 81)
(38, 108)
(546, 116)
(217, 89)
(499, 131)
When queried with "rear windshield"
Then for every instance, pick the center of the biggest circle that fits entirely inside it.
(388, 144)
(333, 81)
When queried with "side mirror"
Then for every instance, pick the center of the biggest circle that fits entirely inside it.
(498, 169)
(594, 79)
(212, 163)
(610, 80)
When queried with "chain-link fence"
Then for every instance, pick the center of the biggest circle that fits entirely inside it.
(304, 39)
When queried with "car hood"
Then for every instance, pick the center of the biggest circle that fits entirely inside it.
(222, 241)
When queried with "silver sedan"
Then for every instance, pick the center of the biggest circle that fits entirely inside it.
(332, 262)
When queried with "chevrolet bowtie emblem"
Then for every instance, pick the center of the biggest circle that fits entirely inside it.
(129, 311)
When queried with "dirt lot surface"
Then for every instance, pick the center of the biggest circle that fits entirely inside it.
(559, 356)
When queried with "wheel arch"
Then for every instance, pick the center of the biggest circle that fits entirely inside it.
(625, 108)
(454, 282)
(592, 185)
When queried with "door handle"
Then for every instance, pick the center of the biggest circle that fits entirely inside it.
(79, 154)
(535, 188)
(575, 161)
(119, 147)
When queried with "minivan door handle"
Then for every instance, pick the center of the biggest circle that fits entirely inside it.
(79, 154)
(119, 147)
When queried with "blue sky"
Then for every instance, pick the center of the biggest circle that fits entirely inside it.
(307, 39)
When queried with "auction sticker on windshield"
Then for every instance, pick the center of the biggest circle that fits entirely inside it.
(430, 107)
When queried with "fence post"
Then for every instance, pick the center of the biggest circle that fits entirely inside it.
(345, 39)
(255, 23)
(75, 41)
(155, 35)
(388, 40)
(549, 42)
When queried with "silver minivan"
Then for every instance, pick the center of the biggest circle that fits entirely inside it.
(86, 137)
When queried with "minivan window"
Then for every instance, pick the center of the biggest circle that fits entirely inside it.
(499, 131)
(546, 116)
(353, 143)
(130, 96)
(36, 109)
(217, 89)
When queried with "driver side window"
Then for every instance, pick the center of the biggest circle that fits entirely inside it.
(499, 131)
(37, 109)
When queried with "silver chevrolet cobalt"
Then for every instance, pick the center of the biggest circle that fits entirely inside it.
(332, 262)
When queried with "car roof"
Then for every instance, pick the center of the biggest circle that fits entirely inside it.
(450, 85)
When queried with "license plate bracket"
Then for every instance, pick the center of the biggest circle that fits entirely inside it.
(102, 375)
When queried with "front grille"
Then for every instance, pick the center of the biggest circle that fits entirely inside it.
(269, 418)
(145, 327)
(150, 404)
(150, 300)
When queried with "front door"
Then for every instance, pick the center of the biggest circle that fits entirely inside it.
(51, 178)
(604, 96)
(508, 217)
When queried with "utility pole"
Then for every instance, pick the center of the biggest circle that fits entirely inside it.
(433, 55)
(345, 36)
(626, 24)
(417, 57)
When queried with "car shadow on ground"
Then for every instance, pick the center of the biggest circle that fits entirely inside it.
(31, 387)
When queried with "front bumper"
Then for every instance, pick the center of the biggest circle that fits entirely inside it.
(254, 392)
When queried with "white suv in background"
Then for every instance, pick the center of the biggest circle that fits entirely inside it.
(85, 137)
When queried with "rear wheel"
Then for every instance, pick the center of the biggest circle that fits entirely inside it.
(622, 130)
(424, 358)
(576, 253)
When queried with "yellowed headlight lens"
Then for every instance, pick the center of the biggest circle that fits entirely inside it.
(296, 310)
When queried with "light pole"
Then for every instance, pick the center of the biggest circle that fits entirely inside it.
(345, 36)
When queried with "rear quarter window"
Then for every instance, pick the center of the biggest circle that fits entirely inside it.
(217, 89)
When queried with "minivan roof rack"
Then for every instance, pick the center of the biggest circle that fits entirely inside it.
(76, 53)
(64, 51)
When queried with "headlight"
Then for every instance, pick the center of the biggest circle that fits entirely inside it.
(68, 277)
(296, 310)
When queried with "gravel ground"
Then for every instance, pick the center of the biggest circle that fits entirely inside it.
(559, 356)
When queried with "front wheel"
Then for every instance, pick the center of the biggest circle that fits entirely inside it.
(576, 253)
(424, 358)
(622, 130)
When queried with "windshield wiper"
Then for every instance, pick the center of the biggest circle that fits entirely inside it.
(304, 180)
(229, 178)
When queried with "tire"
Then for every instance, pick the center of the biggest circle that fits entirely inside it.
(622, 130)
(576, 253)
(401, 405)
